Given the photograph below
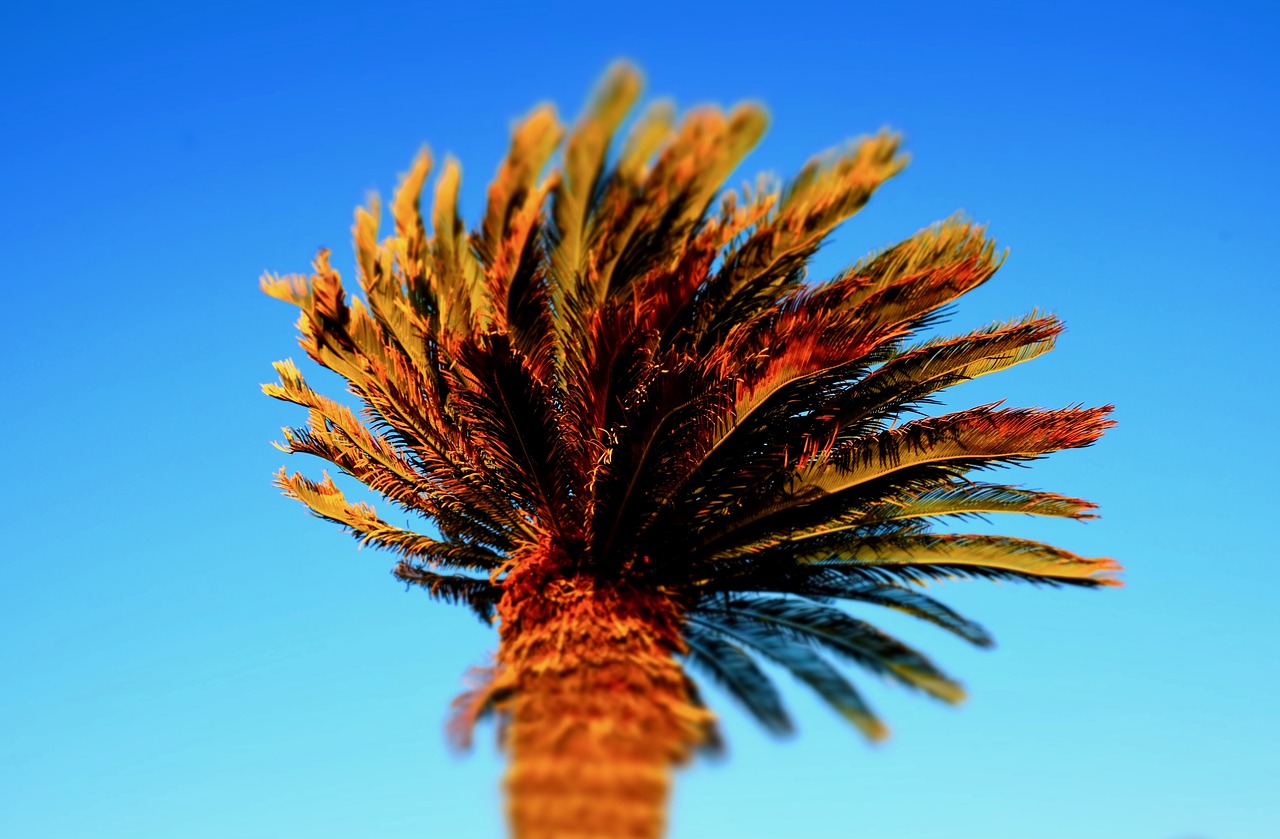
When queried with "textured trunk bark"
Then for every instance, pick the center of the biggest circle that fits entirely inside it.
(597, 713)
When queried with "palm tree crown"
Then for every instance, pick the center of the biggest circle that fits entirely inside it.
(621, 390)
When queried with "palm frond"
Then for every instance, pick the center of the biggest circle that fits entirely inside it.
(735, 671)
(338, 436)
(811, 339)
(405, 398)
(712, 742)
(509, 415)
(480, 595)
(826, 584)
(806, 665)
(941, 555)
(935, 365)
(954, 443)
(909, 505)
(516, 199)
(463, 298)
(977, 498)
(572, 204)
(326, 501)
(843, 635)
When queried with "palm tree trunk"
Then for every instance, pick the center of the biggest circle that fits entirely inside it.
(597, 710)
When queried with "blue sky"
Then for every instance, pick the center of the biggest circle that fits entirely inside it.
(183, 652)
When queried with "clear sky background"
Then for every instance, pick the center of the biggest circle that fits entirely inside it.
(184, 653)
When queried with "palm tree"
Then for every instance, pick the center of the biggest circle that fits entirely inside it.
(646, 441)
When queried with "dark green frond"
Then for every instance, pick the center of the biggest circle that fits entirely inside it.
(480, 595)
(833, 583)
(712, 741)
(852, 639)
(806, 665)
(734, 670)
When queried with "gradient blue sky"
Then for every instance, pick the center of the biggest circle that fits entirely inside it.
(184, 653)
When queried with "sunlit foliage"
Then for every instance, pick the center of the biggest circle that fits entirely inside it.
(647, 439)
